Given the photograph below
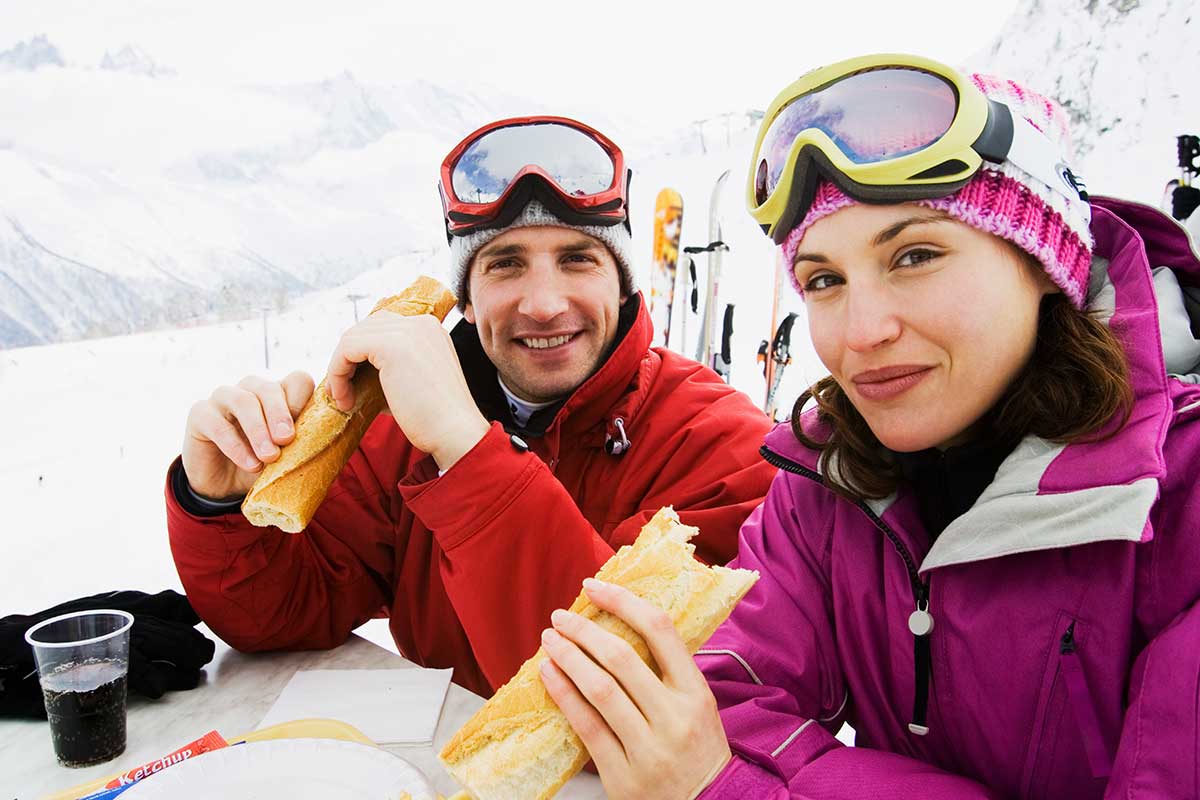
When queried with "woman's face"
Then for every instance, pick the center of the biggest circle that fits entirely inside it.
(922, 320)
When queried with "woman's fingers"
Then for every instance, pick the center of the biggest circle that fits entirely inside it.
(598, 687)
(655, 627)
(601, 743)
(669, 731)
(619, 659)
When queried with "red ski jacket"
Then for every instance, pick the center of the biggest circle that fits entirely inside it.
(469, 565)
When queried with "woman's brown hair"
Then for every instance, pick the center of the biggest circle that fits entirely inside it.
(1076, 381)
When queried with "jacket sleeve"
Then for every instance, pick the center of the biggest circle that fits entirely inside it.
(262, 589)
(516, 545)
(774, 671)
(1158, 754)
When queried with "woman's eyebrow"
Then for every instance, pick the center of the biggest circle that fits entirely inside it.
(883, 237)
(892, 231)
(816, 257)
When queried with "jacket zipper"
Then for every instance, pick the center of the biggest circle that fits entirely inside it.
(1080, 697)
(920, 621)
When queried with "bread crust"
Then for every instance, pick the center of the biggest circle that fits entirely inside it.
(289, 490)
(519, 745)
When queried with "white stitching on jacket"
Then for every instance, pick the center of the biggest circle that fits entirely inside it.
(1188, 408)
(791, 738)
(738, 658)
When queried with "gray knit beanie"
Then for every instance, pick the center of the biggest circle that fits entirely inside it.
(463, 248)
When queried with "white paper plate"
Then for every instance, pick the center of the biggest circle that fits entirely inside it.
(327, 769)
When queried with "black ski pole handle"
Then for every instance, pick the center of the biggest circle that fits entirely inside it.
(708, 248)
(727, 334)
(1189, 151)
(695, 289)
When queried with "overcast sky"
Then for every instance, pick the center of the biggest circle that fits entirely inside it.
(615, 56)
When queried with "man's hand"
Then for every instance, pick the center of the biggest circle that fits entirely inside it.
(235, 431)
(421, 378)
(649, 737)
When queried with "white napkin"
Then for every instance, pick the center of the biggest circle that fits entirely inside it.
(390, 706)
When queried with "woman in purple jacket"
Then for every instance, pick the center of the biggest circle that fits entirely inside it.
(982, 549)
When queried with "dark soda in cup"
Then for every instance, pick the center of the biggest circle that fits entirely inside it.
(86, 707)
(83, 660)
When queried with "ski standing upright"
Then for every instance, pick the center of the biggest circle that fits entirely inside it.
(668, 220)
(707, 346)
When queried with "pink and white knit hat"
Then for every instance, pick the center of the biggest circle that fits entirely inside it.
(1003, 200)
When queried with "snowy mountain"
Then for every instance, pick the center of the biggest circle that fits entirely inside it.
(29, 56)
(132, 58)
(1126, 72)
(136, 198)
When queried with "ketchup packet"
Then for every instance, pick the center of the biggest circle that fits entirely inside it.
(209, 741)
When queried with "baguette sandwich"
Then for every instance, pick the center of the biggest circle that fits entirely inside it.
(289, 490)
(519, 746)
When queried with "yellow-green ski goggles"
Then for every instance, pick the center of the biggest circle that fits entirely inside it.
(885, 129)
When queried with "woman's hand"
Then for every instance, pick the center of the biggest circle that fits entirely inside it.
(649, 737)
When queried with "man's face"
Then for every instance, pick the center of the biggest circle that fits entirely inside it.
(545, 300)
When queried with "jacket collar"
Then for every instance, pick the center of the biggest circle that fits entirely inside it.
(612, 390)
(1048, 496)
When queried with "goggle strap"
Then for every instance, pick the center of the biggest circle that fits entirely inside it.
(1034, 153)
(804, 187)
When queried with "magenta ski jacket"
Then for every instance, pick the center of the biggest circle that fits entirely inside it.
(1047, 645)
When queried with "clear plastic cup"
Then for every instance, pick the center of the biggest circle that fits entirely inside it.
(83, 661)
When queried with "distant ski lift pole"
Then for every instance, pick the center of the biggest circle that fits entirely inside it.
(354, 298)
(266, 348)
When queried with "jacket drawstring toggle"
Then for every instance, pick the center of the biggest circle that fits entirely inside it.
(613, 445)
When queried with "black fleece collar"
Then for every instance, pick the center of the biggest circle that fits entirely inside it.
(480, 373)
(948, 482)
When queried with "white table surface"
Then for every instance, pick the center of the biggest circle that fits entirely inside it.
(235, 693)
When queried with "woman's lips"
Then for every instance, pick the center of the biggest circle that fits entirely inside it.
(889, 382)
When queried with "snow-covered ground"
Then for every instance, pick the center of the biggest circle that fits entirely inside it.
(88, 429)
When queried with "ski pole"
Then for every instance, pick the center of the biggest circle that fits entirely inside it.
(723, 360)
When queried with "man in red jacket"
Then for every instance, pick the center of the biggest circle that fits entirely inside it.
(521, 450)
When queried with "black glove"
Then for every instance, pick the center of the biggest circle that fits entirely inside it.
(166, 652)
(1184, 201)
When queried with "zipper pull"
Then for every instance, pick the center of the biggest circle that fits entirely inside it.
(920, 623)
(1068, 640)
(1079, 697)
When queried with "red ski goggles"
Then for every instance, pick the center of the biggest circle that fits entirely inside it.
(574, 170)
